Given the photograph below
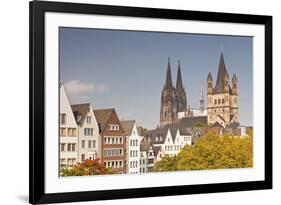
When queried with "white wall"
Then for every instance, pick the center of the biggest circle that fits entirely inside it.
(14, 96)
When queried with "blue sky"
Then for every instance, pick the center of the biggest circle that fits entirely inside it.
(126, 70)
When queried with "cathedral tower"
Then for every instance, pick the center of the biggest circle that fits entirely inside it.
(167, 112)
(173, 99)
(180, 97)
(222, 99)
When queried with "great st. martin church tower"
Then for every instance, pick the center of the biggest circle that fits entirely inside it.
(173, 99)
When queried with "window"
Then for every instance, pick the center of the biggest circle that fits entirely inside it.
(222, 101)
(83, 144)
(219, 101)
(83, 157)
(62, 162)
(121, 140)
(73, 147)
(69, 162)
(62, 132)
(62, 147)
(71, 132)
(113, 127)
(69, 147)
(89, 144)
(215, 101)
(94, 143)
(63, 119)
(88, 131)
(89, 119)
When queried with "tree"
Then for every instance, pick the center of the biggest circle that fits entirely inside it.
(213, 152)
(88, 167)
(166, 164)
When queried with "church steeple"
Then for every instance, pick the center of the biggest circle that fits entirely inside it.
(169, 83)
(202, 100)
(221, 77)
(179, 85)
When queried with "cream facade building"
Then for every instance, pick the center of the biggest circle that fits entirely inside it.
(88, 132)
(132, 146)
(68, 133)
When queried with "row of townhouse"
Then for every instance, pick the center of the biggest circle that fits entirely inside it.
(170, 139)
(160, 142)
(97, 134)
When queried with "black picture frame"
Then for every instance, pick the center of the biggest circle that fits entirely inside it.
(37, 10)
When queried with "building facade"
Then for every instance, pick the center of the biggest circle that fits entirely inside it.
(68, 133)
(113, 140)
(223, 98)
(132, 146)
(173, 99)
(88, 132)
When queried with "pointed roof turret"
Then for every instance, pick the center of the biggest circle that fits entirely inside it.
(209, 78)
(169, 83)
(222, 73)
(234, 78)
(179, 79)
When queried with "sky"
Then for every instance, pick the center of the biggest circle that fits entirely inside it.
(126, 70)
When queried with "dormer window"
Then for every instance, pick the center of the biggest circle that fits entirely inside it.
(114, 127)
(89, 119)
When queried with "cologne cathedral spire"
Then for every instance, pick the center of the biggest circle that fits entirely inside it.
(169, 83)
(179, 79)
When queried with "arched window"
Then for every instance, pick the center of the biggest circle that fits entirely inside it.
(219, 101)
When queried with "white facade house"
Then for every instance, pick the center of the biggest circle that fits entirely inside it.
(132, 146)
(88, 132)
(68, 132)
(150, 159)
(171, 140)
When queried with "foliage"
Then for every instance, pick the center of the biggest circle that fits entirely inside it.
(166, 164)
(213, 152)
(86, 168)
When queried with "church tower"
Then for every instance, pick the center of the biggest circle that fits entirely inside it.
(202, 101)
(167, 111)
(222, 99)
(180, 97)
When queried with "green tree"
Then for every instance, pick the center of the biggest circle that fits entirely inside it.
(86, 168)
(166, 164)
(213, 152)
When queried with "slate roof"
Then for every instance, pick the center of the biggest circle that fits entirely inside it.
(102, 116)
(185, 127)
(80, 110)
(222, 73)
(156, 150)
(192, 121)
(144, 145)
(127, 126)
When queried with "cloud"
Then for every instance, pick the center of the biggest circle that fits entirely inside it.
(77, 87)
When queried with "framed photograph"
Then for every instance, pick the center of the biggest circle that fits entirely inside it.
(130, 102)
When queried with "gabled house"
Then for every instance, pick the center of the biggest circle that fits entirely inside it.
(150, 159)
(144, 148)
(68, 132)
(113, 140)
(132, 146)
(88, 132)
